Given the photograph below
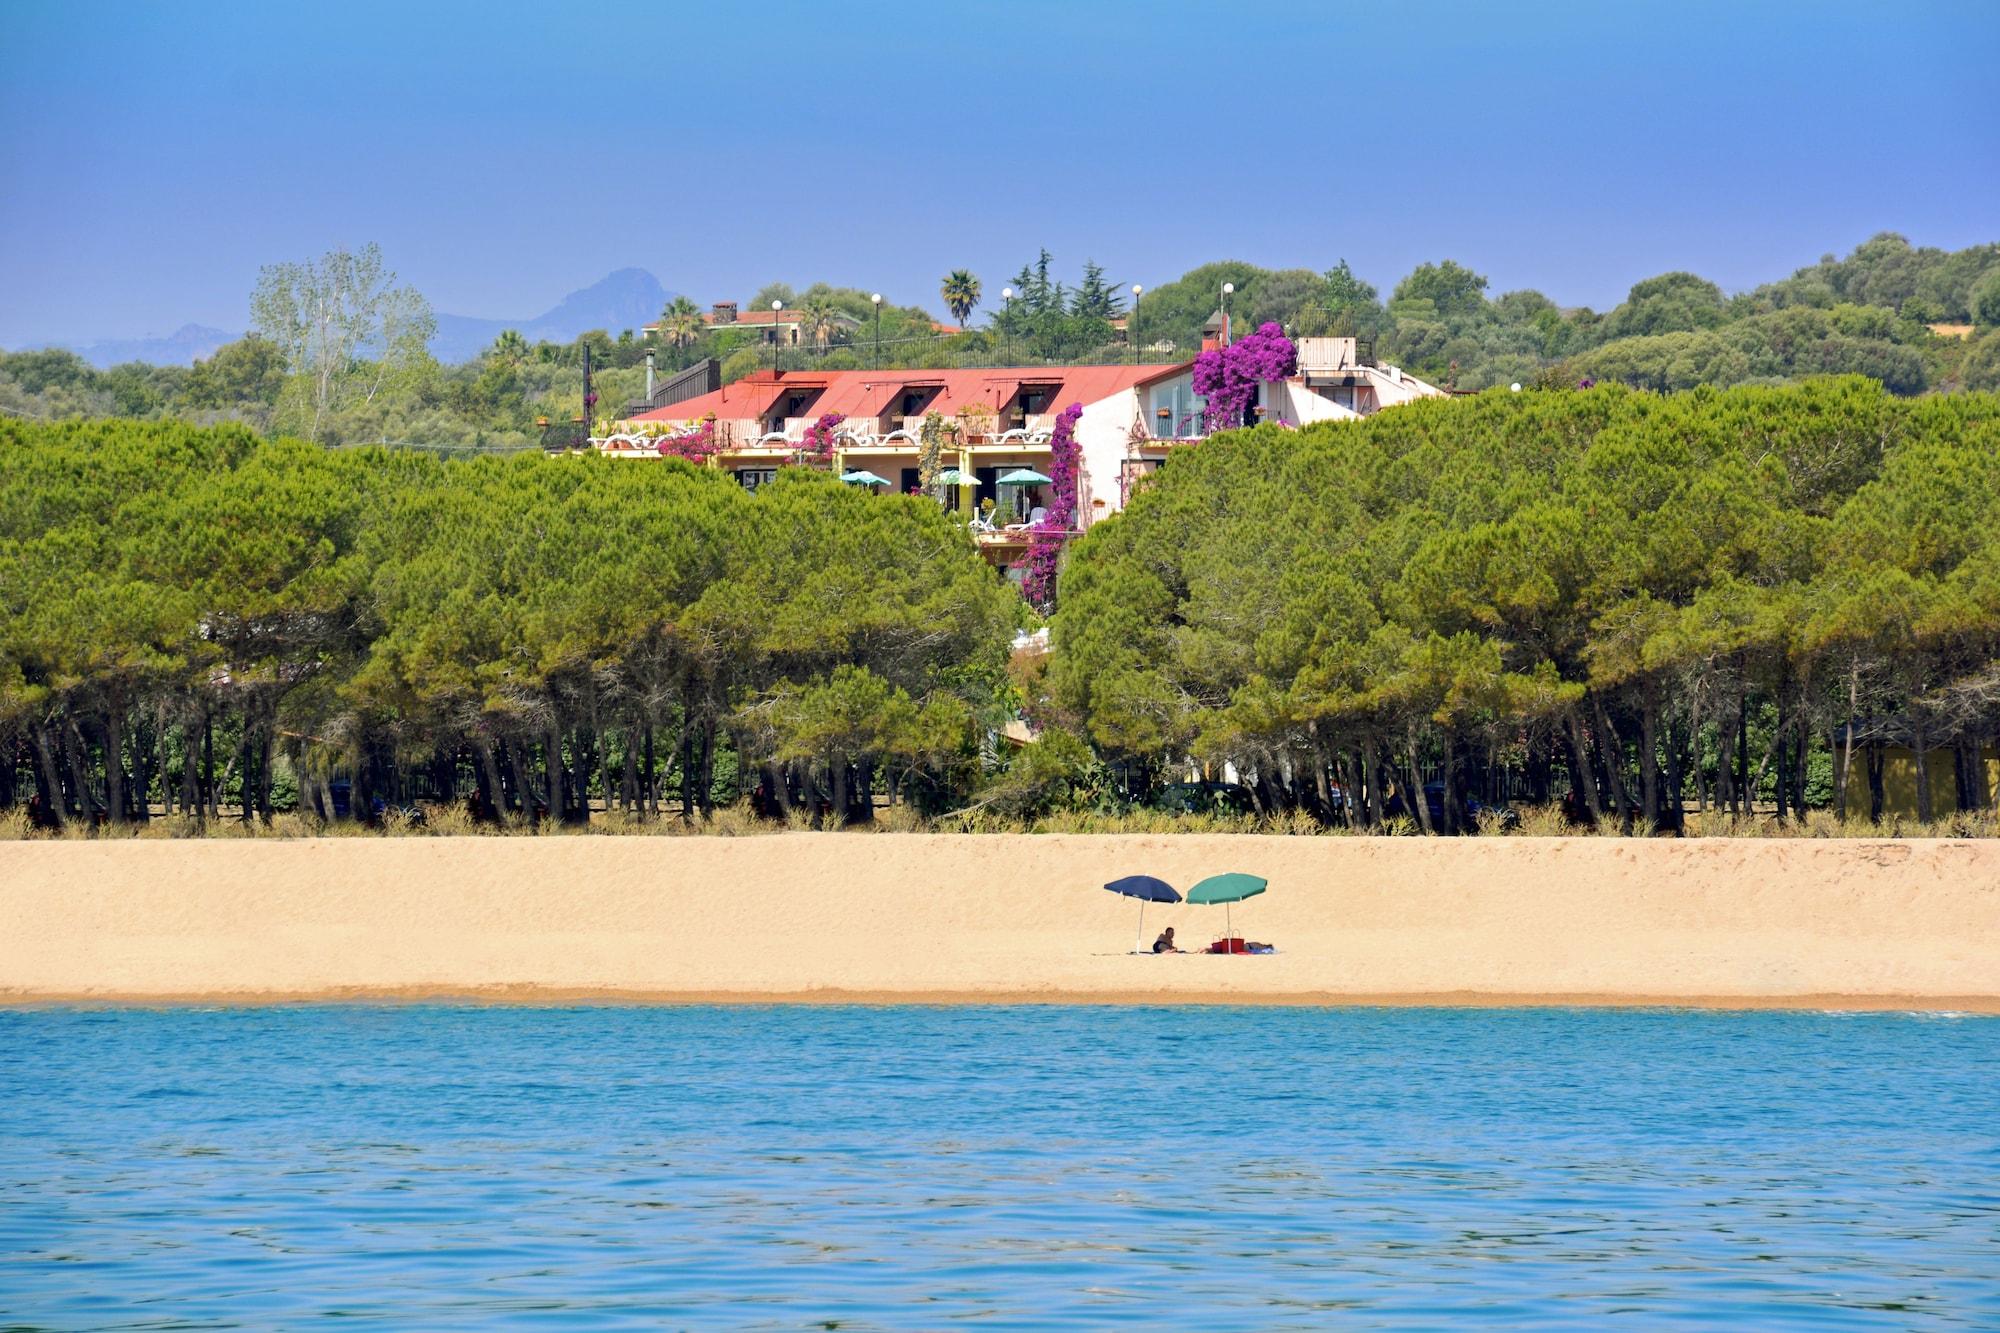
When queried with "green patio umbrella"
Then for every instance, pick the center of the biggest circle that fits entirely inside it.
(951, 476)
(1024, 476)
(1226, 889)
(864, 478)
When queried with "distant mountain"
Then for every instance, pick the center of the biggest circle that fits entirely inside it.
(627, 299)
(183, 347)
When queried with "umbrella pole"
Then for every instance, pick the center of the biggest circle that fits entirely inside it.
(1139, 946)
(1228, 932)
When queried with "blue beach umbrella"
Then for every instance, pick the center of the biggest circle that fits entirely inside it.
(1226, 889)
(1147, 890)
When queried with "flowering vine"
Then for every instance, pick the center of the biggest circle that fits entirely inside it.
(1228, 378)
(818, 446)
(694, 445)
(1046, 538)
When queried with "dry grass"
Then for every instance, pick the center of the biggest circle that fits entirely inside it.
(451, 820)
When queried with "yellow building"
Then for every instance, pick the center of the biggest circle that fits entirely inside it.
(1899, 779)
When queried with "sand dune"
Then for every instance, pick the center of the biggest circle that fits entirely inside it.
(940, 917)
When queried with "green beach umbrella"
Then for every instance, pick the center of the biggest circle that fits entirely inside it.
(951, 476)
(1024, 476)
(864, 478)
(1226, 889)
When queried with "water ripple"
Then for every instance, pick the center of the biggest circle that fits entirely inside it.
(1011, 1167)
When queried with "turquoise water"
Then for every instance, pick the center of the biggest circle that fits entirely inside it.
(425, 1167)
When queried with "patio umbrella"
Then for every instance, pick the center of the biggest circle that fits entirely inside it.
(951, 476)
(1024, 476)
(1147, 890)
(864, 478)
(1226, 889)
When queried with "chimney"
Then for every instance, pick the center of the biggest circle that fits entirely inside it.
(725, 312)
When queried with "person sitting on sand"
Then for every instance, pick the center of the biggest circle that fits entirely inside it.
(1165, 944)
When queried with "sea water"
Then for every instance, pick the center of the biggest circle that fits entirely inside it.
(1200, 1168)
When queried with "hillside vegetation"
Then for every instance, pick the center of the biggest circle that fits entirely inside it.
(1642, 601)
(1868, 314)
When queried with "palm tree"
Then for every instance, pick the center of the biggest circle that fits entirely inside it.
(960, 292)
(510, 349)
(680, 323)
(820, 316)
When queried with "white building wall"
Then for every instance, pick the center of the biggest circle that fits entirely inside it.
(1291, 402)
(1102, 436)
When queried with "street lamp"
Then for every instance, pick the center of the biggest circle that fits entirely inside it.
(1227, 289)
(877, 299)
(1007, 321)
(1132, 324)
(776, 306)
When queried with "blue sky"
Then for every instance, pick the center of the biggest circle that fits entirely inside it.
(152, 156)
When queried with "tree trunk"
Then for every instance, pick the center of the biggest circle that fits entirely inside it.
(1876, 800)
(650, 779)
(1649, 754)
(496, 792)
(1920, 748)
(553, 766)
(1452, 820)
(1580, 780)
(79, 774)
(705, 792)
(211, 798)
(114, 766)
(687, 763)
(1611, 752)
(1846, 766)
(1674, 803)
(1421, 810)
(1744, 792)
(55, 800)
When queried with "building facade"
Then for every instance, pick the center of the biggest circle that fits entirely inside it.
(1001, 422)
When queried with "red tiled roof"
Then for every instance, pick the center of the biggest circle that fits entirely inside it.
(757, 317)
(872, 393)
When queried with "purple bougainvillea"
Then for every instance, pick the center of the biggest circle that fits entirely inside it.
(819, 438)
(1046, 538)
(693, 445)
(1228, 378)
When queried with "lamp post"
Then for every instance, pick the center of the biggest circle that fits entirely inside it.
(776, 306)
(1132, 324)
(1007, 321)
(1227, 289)
(877, 299)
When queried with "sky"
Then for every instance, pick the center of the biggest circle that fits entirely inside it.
(153, 156)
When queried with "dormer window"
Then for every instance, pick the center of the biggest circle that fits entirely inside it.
(1035, 400)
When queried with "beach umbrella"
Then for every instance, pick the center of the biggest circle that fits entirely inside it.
(1024, 476)
(1147, 890)
(864, 478)
(951, 476)
(1226, 889)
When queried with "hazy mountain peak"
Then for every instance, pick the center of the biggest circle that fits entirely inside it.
(624, 299)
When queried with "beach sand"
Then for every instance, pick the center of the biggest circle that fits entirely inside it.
(941, 918)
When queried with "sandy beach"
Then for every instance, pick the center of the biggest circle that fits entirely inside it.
(938, 918)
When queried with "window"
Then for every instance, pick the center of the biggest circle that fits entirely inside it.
(1035, 399)
(750, 478)
(915, 400)
(1175, 411)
